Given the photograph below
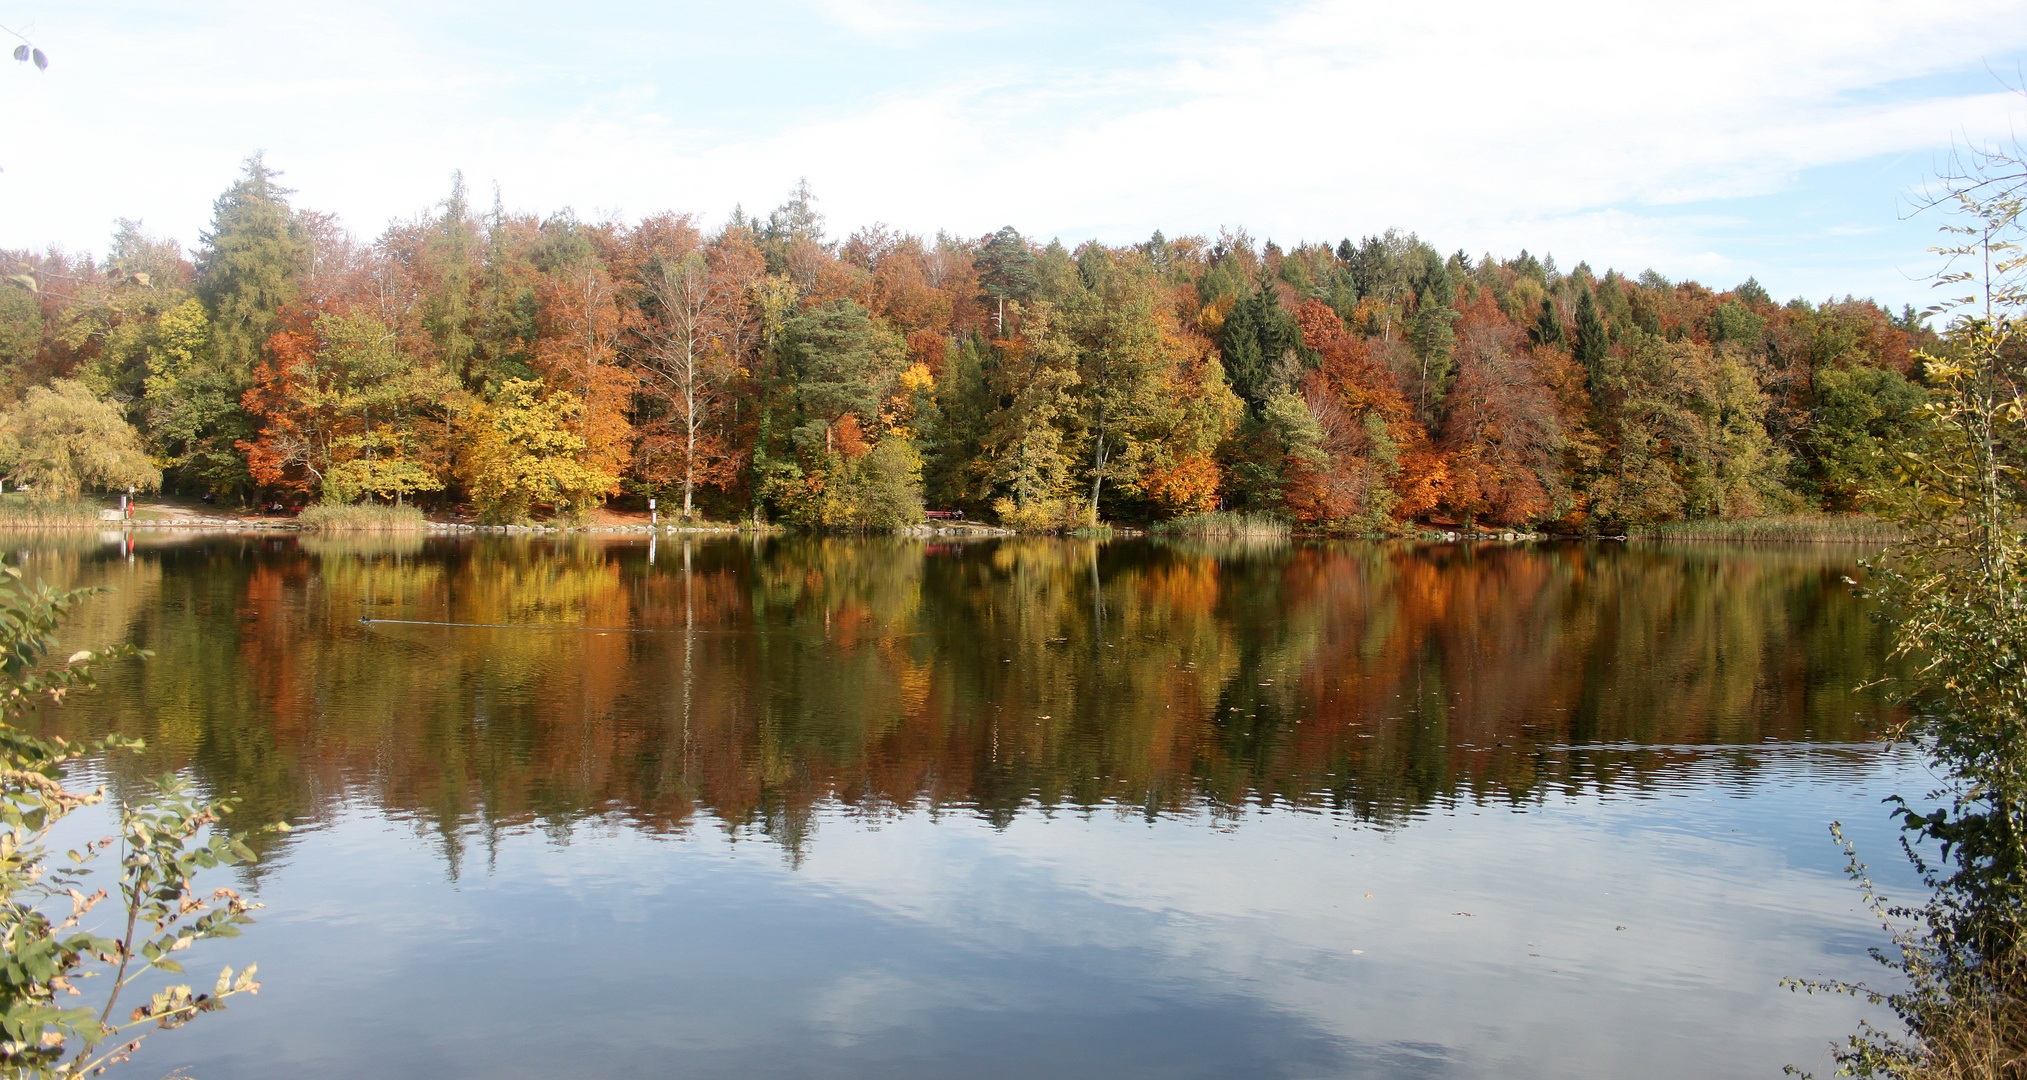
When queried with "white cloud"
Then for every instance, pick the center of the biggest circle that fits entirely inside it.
(1577, 127)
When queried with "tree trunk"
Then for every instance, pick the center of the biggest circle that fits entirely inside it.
(1098, 463)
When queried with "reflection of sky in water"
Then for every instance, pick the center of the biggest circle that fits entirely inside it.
(1606, 937)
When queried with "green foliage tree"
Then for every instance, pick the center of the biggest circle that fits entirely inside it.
(843, 364)
(1435, 342)
(1548, 328)
(1006, 272)
(192, 405)
(250, 265)
(1257, 337)
(1859, 413)
(1031, 444)
(63, 437)
(1592, 341)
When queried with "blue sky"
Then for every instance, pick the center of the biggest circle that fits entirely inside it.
(1710, 141)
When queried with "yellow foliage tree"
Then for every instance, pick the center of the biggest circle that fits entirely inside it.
(525, 452)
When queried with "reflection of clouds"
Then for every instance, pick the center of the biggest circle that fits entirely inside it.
(1278, 912)
(1077, 945)
(862, 1003)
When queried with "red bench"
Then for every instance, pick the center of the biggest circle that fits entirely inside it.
(944, 515)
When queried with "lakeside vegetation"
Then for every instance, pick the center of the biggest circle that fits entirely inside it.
(517, 367)
(1954, 590)
(1784, 528)
(168, 835)
(1224, 524)
(20, 511)
(326, 517)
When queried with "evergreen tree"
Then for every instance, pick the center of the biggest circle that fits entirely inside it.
(1592, 340)
(450, 255)
(1256, 335)
(1006, 272)
(252, 260)
(964, 405)
(843, 362)
(1547, 325)
(796, 218)
(1435, 343)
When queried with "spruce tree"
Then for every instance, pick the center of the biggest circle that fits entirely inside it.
(1435, 343)
(1592, 339)
(253, 257)
(1239, 345)
(1547, 325)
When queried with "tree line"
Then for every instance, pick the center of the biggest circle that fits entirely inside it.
(518, 366)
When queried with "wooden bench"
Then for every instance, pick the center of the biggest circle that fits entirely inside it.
(944, 515)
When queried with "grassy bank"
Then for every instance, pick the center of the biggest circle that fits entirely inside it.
(325, 517)
(28, 512)
(1223, 525)
(1791, 528)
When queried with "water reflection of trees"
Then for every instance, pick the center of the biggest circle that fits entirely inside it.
(754, 680)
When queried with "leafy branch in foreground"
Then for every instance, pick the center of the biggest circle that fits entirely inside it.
(1955, 589)
(46, 945)
(27, 52)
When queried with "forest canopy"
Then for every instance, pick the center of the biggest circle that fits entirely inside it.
(514, 366)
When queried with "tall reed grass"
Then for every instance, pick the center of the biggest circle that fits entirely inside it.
(1223, 525)
(29, 512)
(1789, 528)
(328, 517)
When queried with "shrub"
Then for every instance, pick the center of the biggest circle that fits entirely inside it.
(1043, 515)
(162, 845)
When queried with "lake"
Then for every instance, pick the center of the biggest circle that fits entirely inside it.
(800, 807)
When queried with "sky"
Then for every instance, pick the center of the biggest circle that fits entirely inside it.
(1788, 142)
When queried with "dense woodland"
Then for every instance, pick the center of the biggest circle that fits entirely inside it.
(518, 367)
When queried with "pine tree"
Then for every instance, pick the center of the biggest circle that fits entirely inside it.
(1006, 271)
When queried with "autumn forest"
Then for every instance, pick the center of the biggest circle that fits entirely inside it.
(513, 368)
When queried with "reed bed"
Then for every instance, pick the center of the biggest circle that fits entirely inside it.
(1788, 528)
(1224, 525)
(28, 512)
(326, 517)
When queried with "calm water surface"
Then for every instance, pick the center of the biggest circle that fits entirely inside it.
(836, 808)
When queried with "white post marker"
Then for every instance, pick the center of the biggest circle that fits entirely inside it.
(654, 515)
